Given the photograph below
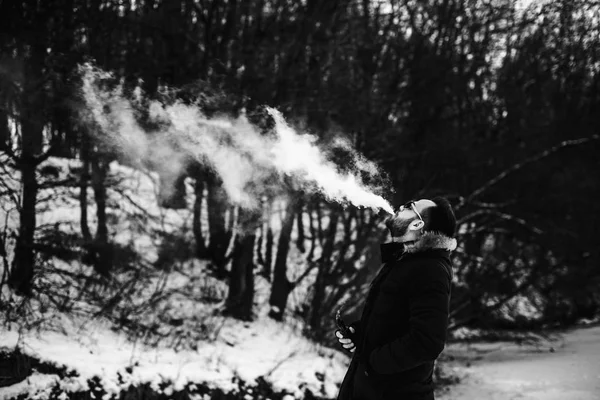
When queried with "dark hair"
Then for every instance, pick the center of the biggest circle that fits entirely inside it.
(440, 218)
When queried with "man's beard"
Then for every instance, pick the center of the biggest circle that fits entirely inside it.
(398, 227)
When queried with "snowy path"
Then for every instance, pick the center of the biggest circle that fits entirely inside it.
(504, 372)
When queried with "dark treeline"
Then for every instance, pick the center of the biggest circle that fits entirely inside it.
(495, 107)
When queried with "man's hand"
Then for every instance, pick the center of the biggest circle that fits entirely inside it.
(346, 343)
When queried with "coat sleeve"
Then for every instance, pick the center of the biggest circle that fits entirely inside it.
(428, 321)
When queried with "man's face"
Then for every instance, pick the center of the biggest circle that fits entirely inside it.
(408, 217)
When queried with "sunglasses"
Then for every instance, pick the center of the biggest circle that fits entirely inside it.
(410, 205)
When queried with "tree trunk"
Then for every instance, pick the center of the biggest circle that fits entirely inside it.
(266, 258)
(240, 298)
(313, 232)
(22, 272)
(219, 237)
(4, 131)
(269, 252)
(101, 247)
(83, 186)
(281, 288)
(32, 125)
(300, 228)
(197, 222)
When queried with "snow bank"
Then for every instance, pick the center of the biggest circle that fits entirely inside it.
(242, 350)
(36, 386)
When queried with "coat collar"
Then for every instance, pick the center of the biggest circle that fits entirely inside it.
(431, 241)
(428, 241)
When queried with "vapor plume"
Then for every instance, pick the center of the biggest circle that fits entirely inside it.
(245, 159)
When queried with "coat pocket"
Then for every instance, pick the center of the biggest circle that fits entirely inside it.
(366, 387)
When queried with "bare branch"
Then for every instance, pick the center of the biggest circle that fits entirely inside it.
(502, 216)
(304, 274)
(527, 161)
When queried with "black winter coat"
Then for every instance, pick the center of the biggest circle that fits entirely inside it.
(403, 326)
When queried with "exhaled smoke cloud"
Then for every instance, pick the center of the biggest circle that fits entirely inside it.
(299, 156)
(243, 158)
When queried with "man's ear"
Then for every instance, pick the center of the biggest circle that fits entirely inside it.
(416, 225)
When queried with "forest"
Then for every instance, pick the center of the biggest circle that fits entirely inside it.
(493, 104)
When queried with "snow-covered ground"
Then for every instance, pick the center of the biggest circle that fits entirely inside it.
(566, 368)
(242, 350)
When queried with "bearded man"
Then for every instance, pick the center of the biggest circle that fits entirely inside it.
(402, 330)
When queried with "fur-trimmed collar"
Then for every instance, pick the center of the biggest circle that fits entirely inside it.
(431, 241)
(428, 241)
